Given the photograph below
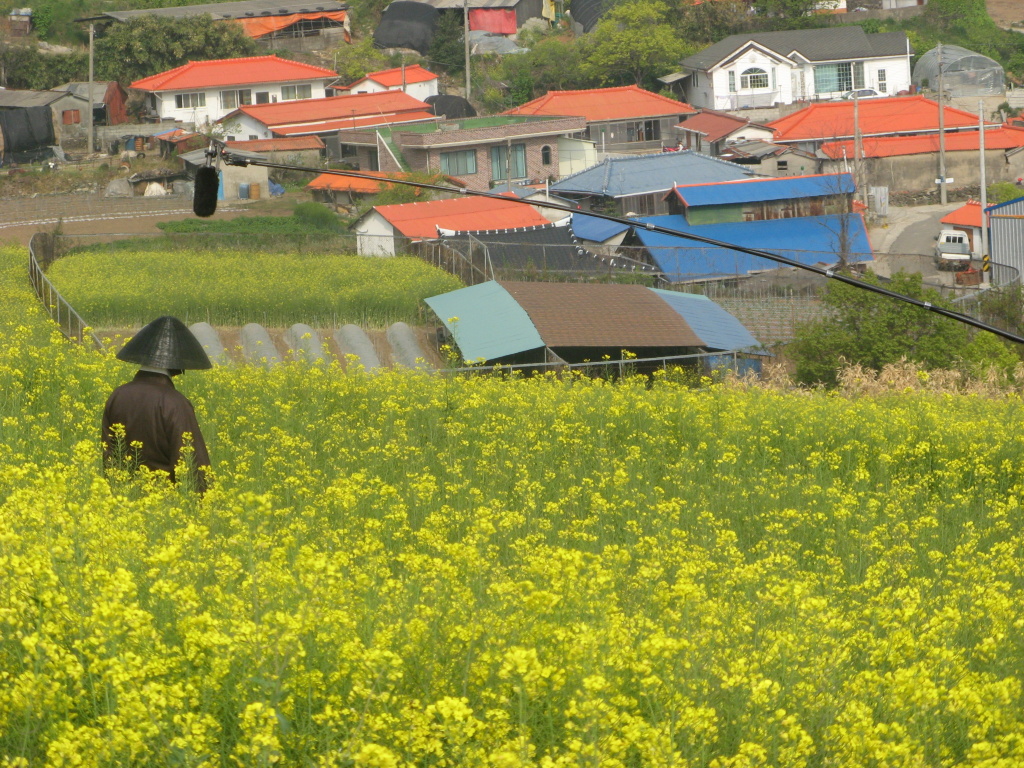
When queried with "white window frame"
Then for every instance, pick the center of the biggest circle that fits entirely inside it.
(191, 100)
(754, 79)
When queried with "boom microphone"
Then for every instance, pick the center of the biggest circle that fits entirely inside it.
(204, 200)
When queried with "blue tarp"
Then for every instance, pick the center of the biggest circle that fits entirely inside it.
(808, 240)
(644, 174)
(762, 190)
(712, 324)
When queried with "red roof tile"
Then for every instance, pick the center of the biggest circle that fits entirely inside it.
(332, 108)
(834, 119)
(895, 146)
(462, 214)
(222, 72)
(713, 125)
(603, 104)
(967, 215)
(279, 145)
(390, 78)
(320, 126)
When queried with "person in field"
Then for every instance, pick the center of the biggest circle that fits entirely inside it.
(147, 422)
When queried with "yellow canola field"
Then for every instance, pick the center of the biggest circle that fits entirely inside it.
(412, 570)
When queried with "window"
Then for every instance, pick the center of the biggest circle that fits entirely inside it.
(253, 137)
(782, 165)
(643, 130)
(262, 97)
(290, 92)
(234, 99)
(545, 155)
(189, 100)
(71, 116)
(461, 163)
(837, 78)
(505, 165)
(883, 86)
(732, 81)
(755, 77)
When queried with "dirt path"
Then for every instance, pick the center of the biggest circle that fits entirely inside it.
(1005, 12)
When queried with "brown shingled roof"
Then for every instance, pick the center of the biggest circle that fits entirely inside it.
(589, 315)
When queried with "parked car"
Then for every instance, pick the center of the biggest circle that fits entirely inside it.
(863, 93)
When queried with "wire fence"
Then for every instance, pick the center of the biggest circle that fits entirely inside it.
(42, 252)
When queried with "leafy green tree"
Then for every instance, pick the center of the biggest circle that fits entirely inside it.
(355, 60)
(1002, 191)
(711, 22)
(27, 67)
(551, 64)
(872, 330)
(147, 45)
(787, 14)
(633, 44)
(448, 50)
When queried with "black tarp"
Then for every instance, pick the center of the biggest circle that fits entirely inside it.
(406, 24)
(26, 129)
(587, 13)
(450, 107)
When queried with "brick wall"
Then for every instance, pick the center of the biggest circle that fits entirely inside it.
(772, 320)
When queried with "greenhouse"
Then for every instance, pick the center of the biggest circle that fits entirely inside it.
(964, 72)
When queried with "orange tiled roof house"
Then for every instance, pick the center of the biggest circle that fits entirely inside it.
(202, 92)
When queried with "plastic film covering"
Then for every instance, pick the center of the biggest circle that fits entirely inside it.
(964, 72)
(353, 341)
(405, 349)
(211, 343)
(406, 24)
(258, 347)
(304, 343)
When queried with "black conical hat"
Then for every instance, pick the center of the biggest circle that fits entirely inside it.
(166, 343)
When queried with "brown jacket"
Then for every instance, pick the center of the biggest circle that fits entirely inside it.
(156, 415)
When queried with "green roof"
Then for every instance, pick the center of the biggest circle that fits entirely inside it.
(486, 322)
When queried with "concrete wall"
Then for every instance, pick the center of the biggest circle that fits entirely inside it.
(911, 173)
(429, 160)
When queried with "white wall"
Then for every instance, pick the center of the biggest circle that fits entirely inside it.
(213, 110)
(417, 90)
(244, 127)
(575, 155)
(374, 236)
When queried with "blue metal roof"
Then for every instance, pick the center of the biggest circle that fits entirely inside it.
(763, 190)
(486, 322)
(817, 238)
(715, 327)
(1004, 204)
(644, 174)
(592, 228)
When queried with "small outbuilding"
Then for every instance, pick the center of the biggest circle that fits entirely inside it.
(575, 323)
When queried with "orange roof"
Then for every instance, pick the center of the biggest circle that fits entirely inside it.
(364, 186)
(346, 123)
(599, 104)
(834, 119)
(279, 145)
(462, 214)
(220, 72)
(967, 215)
(331, 108)
(895, 146)
(391, 78)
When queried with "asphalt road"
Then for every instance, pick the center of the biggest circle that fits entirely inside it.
(919, 236)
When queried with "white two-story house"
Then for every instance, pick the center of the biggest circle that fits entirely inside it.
(767, 68)
(414, 80)
(202, 92)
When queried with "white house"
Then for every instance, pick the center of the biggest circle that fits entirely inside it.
(202, 92)
(759, 70)
(414, 80)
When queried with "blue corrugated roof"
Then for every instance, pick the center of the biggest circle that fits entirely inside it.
(486, 322)
(644, 174)
(762, 190)
(1004, 204)
(592, 228)
(717, 328)
(808, 240)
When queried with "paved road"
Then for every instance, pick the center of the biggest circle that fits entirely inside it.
(918, 234)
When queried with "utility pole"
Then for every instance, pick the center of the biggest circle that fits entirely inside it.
(984, 192)
(88, 111)
(858, 151)
(942, 137)
(465, 37)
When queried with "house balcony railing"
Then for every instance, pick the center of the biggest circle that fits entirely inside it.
(746, 100)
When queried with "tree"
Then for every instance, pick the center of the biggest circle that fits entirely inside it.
(790, 14)
(147, 45)
(872, 330)
(448, 50)
(356, 60)
(711, 22)
(27, 67)
(551, 64)
(633, 44)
